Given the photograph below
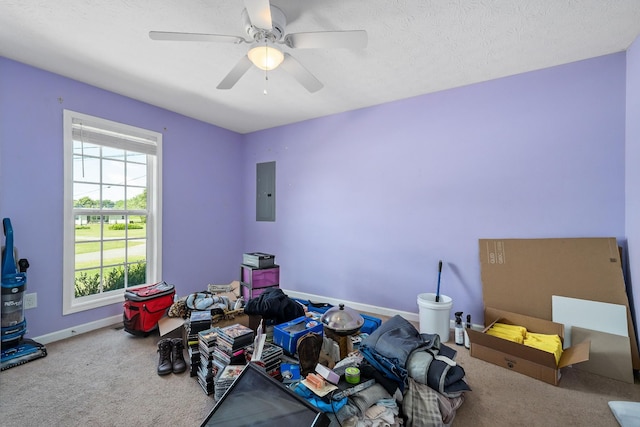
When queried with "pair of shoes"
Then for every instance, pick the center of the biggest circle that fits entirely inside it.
(171, 356)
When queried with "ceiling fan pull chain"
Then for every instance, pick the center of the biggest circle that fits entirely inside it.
(266, 69)
(266, 81)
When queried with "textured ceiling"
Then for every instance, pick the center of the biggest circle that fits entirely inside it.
(415, 47)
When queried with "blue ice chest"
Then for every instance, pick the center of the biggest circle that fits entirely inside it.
(286, 335)
(370, 323)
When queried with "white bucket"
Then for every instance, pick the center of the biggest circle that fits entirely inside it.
(435, 316)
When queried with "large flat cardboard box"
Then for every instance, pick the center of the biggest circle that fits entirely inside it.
(521, 275)
(519, 357)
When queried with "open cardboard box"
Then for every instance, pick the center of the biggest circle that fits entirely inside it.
(522, 275)
(526, 360)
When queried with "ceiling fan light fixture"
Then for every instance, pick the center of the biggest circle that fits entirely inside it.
(266, 57)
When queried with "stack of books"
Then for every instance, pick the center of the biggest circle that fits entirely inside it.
(225, 378)
(198, 321)
(207, 370)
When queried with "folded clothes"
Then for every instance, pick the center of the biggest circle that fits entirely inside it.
(545, 342)
(508, 332)
(511, 329)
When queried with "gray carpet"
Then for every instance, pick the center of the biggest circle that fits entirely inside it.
(103, 378)
(108, 378)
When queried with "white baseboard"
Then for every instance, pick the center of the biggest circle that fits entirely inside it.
(114, 320)
(373, 309)
(80, 329)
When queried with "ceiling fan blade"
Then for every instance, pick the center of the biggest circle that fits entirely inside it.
(356, 39)
(194, 37)
(236, 72)
(259, 13)
(304, 77)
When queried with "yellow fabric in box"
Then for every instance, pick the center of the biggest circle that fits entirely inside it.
(545, 342)
(519, 334)
(508, 332)
(511, 329)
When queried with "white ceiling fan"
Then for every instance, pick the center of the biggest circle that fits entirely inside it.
(265, 24)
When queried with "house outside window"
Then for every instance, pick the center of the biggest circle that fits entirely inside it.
(112, 210)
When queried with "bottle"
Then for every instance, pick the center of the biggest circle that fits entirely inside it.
(459, 330)
(467, 343)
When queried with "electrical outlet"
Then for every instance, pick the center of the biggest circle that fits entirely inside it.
(30, 301)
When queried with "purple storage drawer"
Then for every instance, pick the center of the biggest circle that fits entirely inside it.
(259, 277)
(248, 293)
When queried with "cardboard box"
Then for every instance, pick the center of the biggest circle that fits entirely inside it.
(522, 275)
(526, 360)
(171, 327)
(233, 294)
(286, 335)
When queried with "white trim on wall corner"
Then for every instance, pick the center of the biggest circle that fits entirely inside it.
(412, 317)
(80, 329)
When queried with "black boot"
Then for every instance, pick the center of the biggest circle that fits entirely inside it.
(179, 365)
(164, 362)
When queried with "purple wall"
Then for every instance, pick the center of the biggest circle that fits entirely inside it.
(368, 201)
(632, 196)
(202, 231)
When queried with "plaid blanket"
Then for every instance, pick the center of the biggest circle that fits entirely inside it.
(420, 406)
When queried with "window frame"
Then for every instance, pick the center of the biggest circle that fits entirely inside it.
(71, 304)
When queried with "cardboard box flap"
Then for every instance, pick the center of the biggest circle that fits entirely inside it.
(609, 354)
(522, 275)
(575, 354)
(169, 324)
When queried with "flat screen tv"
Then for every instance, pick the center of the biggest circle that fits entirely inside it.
(257, 400)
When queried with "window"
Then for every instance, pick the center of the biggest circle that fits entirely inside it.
(112, 210)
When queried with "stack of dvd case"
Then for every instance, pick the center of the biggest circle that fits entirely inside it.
(271, 358)
(207, 370)
(225, 378)
(232, 341)
(198, 321)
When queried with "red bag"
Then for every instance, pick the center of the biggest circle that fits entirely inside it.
(144, 306)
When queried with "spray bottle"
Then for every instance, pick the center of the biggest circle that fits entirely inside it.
(467, 343)
(459, 330)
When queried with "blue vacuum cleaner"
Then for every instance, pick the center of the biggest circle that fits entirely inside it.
(16, 350)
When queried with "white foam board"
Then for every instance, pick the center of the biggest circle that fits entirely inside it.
(594, 315)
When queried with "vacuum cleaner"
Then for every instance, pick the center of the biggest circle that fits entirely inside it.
(16, 350)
